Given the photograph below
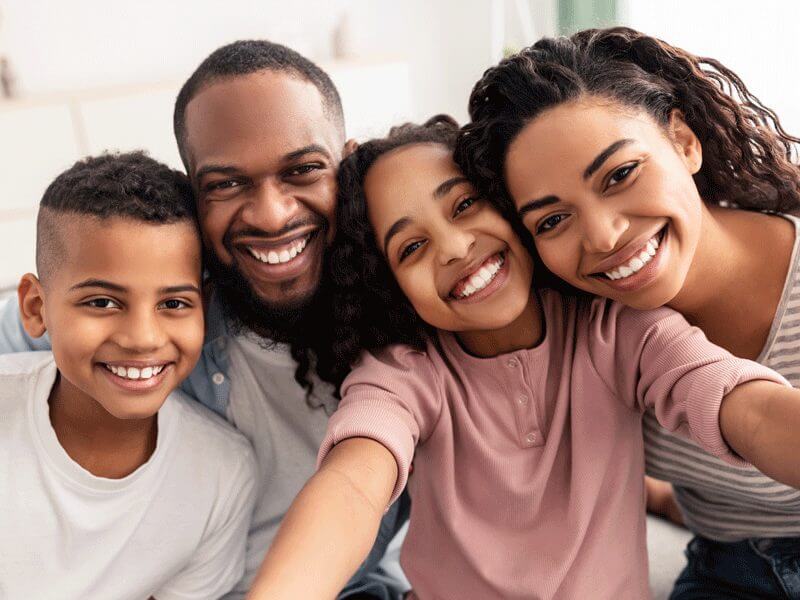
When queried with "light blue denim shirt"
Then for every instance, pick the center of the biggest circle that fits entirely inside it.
(209, 384)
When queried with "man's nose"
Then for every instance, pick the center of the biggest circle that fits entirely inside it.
(270, 208)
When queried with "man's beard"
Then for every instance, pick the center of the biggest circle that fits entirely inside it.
(245, 312)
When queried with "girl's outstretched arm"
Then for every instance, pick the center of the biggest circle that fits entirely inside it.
(331, 525)
(760, 420)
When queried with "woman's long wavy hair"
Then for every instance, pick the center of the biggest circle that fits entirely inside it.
(748, 159)
(359, 305)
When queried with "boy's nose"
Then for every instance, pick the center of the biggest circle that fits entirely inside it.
(141, 333)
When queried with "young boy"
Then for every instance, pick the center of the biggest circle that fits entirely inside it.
(113, 485)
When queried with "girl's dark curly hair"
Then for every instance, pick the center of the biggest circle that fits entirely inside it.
(748, 159)
(360, 305)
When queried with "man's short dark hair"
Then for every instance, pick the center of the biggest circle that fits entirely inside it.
(243, 58)
(129, 185)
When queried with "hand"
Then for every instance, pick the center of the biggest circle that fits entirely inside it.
(661, 500)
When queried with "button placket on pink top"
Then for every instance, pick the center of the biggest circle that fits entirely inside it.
(529, 434)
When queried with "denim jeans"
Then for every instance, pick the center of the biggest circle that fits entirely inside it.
(754, 569)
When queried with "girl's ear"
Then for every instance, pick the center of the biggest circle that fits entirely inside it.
(685, 140)
(350, 146)
(31, 305)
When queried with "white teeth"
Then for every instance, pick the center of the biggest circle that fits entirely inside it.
(482, 278)
(273, 257)
(636, 263)
(135, 372)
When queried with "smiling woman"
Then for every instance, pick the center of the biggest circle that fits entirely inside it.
(652, 176)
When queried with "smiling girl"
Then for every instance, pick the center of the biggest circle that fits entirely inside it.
(653, 177)
(521, 412)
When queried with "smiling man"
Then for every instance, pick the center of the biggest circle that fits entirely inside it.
(260, 130)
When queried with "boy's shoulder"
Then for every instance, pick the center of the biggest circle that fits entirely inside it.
(24, 364)
(205, 432)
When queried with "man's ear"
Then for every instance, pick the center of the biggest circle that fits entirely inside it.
(685, 140)
(31, 305)
(350, 146)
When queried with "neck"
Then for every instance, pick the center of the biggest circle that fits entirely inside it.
(101, 443)
(523, 332)
(736, 278)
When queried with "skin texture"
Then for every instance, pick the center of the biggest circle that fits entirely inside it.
(449, 233)
(262, 157)
(92, 324)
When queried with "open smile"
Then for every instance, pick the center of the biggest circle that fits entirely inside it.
(639, 267)
(137, 376)
(482, 281)
(278, 261)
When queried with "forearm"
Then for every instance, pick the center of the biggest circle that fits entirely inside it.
(760, 420)
(331, 525)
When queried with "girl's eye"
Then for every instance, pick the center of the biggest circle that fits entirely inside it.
(464, 205)
(550, 222)
(412, 247)
(104, 303)
(175, 304)
(621, 174)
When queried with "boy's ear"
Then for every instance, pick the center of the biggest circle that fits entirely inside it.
(350, 146)
(31, 305)
(685, 140)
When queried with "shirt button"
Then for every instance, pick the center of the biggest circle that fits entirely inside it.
(523, 399)
(512, 362)
(531, 438)
(218, 378)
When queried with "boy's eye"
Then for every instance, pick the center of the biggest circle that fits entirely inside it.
(550, 222)
(105, 303)
(412, 247)
(175, 304)
(464, 205)
(621, 174)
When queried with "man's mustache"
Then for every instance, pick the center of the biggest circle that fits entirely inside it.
(251, 233)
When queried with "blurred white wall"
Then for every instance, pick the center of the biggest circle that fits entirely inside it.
(757, 39)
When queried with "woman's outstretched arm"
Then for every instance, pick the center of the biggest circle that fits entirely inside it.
(331, 525)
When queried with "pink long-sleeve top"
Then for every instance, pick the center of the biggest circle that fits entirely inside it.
(528, 467)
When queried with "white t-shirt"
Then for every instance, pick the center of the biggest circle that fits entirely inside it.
(173, 529)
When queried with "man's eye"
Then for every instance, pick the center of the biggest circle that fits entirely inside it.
(621, 174)
(304, 169)
(226, 184)
(464, 205)
(412, 247)
(175, 304)
(104, 303)
(550, 222)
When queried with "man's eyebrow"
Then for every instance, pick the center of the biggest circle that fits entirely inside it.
(537, 204)
(444, 187)
(396, 228)
(98, 283)
(307, 150)
(177, 289)
(603, 156)
(215, 168)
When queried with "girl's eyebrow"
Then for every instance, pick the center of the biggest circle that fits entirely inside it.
(444, 187)
(396, 228)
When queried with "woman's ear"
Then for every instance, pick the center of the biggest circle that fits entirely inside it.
(685, 140)
(31, 305)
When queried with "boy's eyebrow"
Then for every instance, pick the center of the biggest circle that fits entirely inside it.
(396, 228)
(101, 283)
(603, 156)
(537, 204)
(177, 289)
(448, 185)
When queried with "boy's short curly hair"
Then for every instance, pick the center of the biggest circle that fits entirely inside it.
(129, 185)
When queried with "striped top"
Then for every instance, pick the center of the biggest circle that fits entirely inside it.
(724, 502)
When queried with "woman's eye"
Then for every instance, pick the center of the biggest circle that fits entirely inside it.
(621, 174)
(550, 222)
(174, 304)
(105, 303)
(412, 247)
(464, 205)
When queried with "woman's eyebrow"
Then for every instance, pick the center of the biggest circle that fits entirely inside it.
(537, 204)
(603, 157)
